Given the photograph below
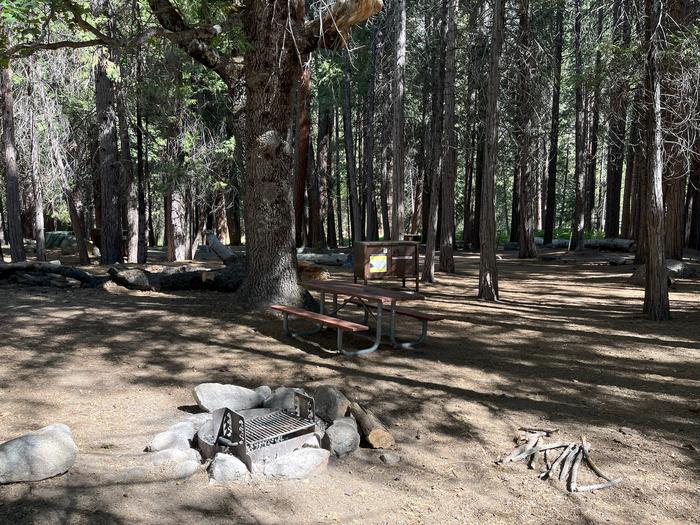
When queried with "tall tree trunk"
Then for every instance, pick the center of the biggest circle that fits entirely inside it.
(526, 237)
(436, 154)
(129, 186)
(488, 269)
(37, 190)
(580, 174)
(619, 93)
(350, 152)
(514, 200)
(142, 249)
(449, 148)
(12, 197)
(397, 138)
(468, 183)
(331, 182)
(656, 303)
(370, 207)
(338, 193)
(553, 158)
(303, 133)
(316, 237)
(108, 161)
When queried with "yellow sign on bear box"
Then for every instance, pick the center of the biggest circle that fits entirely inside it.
(377, 264)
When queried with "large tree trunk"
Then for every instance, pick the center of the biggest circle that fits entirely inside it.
(316, 238)
(449, 148)
(397, 138)
(488, 269)
(338, 195)
(110, 250)
(350, 153)
(436, 154)
(656, 303)
(331, 181)
(592, 151)
(142, 250)
(12, 197)
(526, 236)
(270, 76)
(580, 174)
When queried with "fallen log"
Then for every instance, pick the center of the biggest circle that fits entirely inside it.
(228, 279)
(220, 249)
(568, 462)
(574, 470)
(598, 486)
(562, 457)
(374, 432)
(86, 280)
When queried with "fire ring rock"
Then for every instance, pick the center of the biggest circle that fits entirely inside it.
(341, 438)
(38, 455)
(210, 396)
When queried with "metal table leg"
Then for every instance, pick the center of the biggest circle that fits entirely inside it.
(377, 340)
(406, 344)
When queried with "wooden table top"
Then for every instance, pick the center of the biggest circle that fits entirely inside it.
(373, 293)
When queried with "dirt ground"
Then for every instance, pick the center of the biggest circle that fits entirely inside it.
(566, 348)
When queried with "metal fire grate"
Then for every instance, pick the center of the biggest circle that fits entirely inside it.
(241, 437)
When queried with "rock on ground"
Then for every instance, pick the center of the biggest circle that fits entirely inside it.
(390, 458)
(341, 438)
(38, 455)
(185, 469)
(226, 468)
(329, 403)
(175, 455)
(281, 399)
(300, 464)
(264, 391)
(168, 439)
(210, 396)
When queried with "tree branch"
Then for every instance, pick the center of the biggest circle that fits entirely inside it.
(23, 50)
(332, 28)
(195, 41)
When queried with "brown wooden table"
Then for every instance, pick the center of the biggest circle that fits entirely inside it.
(368, 297)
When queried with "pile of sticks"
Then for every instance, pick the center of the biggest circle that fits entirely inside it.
(568, 461)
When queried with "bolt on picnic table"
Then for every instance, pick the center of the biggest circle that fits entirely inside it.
(371, 299)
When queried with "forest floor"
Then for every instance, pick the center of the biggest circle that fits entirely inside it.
(567, 347)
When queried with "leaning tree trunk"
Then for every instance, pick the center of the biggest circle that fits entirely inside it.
(488, 269)
(397, 137)
(12, 197)
(580, 142)
(449, 149)
(526, 236)
(656, 303)
(110, 251)
(551, 208)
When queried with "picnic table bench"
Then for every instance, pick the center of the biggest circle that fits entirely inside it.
(373, 299)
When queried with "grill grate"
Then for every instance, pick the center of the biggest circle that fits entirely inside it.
(240, 437)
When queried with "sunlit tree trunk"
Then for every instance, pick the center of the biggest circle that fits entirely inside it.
(399, 87)
(580, 173)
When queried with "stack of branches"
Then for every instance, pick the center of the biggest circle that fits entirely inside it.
(569, 459)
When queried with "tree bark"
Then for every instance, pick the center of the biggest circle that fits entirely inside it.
(303, 133)
(580, 164)
(370, 206)
(551, 209)
(350, 152)
(129, 186)
(316, 238)
(436, 154)
(35, 176)
(12, 196)
(488, 269)
(656, 303)
(449, 148)
(108, 161)
(397, 138)
(592, 152)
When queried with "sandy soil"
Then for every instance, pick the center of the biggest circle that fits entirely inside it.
(566, 347)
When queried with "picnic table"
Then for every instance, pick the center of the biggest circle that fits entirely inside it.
(373, 299)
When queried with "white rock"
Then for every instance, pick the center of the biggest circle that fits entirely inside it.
(226, 468)
(264, 391)
(300, 464)
(185, 469)
(198, 420)
(282, 399)
(341, 438)
(184, 428)
(175, 455)
(38, 455)
(210, 396)
(168, 439)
